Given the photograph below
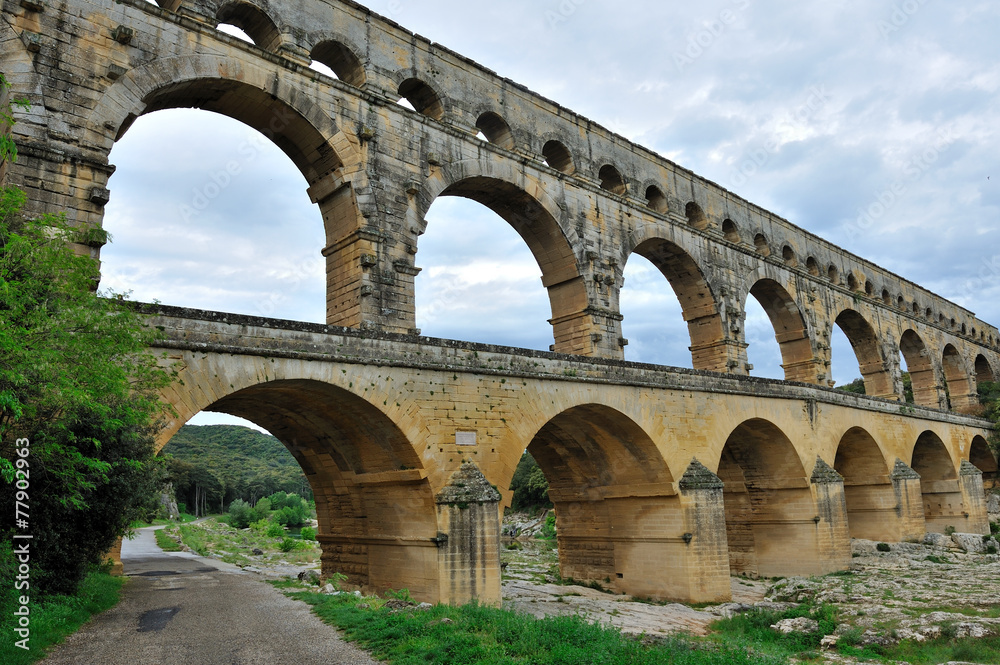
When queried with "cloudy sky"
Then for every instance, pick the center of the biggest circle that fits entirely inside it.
(871, 123)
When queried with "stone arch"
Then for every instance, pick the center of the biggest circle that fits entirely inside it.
(252, 20)
(770, 507)
(760, 244)
(730, 231)
(939, 483)
(984, 371)
(696, 217)
(613, 497)
(425, 98)
(812, 266)
(788, 256)
(537, 220)
(557, 155)
(656, 200)
(959, 382)
(868, 350)
(374, 504)
(612, 180)
(921, 368)
(797, 358)
(282, 112)
(699, 305)
(982, 457)
(868, 491)
(496, 130)
(342, 59)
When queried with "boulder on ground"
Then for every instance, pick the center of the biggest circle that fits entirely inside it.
(796, 625)
(309, 576)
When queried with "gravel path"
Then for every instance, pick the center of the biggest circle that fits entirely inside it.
(181, 609)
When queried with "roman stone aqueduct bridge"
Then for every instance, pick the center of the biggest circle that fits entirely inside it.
(664, 479)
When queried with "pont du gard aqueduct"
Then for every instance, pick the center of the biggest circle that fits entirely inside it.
(665, 480)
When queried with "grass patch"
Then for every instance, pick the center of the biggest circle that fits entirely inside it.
(166, 543)
(931, 652)
(754, 628)
(55, 617)
(472, 634)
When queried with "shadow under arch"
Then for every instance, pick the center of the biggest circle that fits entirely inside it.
(535, 218)
(982, 457)
(872, 503)
(868, 350)
(614, 499)
(790, 330)
(921, 368)
(699, 306)
(771, 509)
(375, 506)
(939, 484)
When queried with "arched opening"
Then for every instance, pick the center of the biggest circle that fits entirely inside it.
(496, 130)
(788, 256)
(696, 216)
(698, 305)
(763, 351)
(852, 282)
(652, 318)
(929, 314)
(374, 505)
(962, 394)
(789, 328)
(422, 98)
(901, 303)
(551, 252)
(558, 157)
(920, 368)
(594, 458)
(236, 232)
(760, 243)
(768, 504)
(868, 353)
(730, 231)
(868, 491)
(479, 281)
(341, 61)
(257, 25)
(886, 297)
(983, 459)
(656, 199)
(812, 266)
(833, 274)
(612, 180)
(939, 485)
(984, 372)
(869, 287)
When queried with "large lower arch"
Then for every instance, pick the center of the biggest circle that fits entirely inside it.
(620, 521)
(778, 523)
(797, 358)
(982, 457)
(939, 484)
(878, 505)
(536, 219)
(374, 505)
(699, 306)
(921, 368)
(871, 362)
(959, 382)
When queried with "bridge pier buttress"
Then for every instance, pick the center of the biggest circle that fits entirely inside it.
(973, 498)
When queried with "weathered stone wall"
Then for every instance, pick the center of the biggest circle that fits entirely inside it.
(582, 198)
(383, 422)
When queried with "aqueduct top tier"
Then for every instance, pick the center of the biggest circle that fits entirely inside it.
(582, 198)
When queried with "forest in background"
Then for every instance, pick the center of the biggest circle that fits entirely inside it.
(211, 466)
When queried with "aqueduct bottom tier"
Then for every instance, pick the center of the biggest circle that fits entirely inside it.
(665, 481)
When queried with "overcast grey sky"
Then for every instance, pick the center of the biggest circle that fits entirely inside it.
(812, 110)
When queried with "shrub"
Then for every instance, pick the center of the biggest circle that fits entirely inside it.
(261, 526)
(883, 547)
(949, 530)
(274, 530)
(240, 514)
(288, 544)
(548, 531)
(308, 533)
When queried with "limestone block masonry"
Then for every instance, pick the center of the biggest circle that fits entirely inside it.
(382, 419)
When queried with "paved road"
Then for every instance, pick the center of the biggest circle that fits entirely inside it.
(182, 609)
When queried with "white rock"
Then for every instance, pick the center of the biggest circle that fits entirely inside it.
(969, 542)
(829, 641)
(796, 625)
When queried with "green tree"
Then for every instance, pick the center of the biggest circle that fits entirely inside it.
(76, 381)
(531, 488)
